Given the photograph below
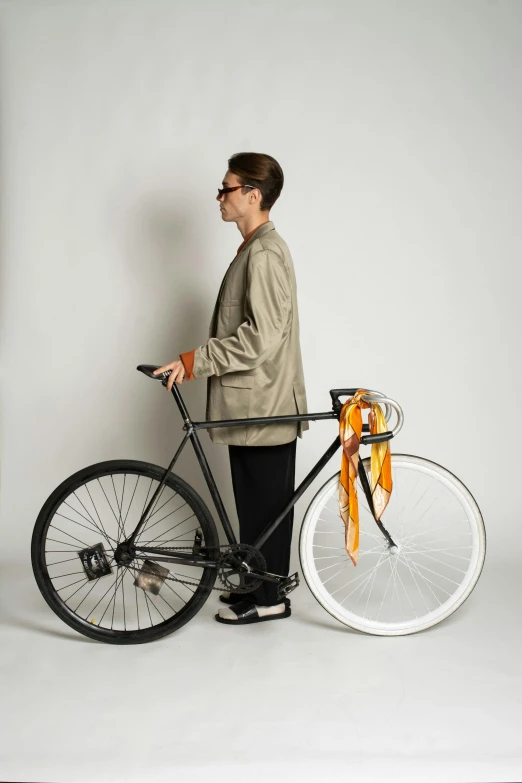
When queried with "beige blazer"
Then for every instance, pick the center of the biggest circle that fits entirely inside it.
(252, 360)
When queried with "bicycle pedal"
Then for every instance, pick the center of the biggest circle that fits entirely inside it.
(287, 585)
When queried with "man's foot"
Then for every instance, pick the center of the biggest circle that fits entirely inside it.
(245, 612)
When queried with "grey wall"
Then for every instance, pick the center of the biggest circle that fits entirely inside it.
(398, 127)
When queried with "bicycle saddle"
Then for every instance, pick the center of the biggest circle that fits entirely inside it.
(148, 369)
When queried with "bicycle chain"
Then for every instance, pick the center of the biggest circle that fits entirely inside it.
(223, 589)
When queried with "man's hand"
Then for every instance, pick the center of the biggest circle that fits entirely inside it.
(177, 375)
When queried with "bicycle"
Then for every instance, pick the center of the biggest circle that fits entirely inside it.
(103, 570)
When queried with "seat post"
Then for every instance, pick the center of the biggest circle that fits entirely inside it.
(181, 404)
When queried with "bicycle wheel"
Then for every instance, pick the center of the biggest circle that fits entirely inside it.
(441, 544)
(80, 526)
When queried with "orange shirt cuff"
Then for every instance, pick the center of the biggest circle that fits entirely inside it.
(188, 363)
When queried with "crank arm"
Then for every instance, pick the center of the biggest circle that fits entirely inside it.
(264, 575)
(283, 582)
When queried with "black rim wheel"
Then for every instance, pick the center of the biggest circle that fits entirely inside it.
(73, 552)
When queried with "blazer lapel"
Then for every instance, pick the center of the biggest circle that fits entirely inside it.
(268, 226)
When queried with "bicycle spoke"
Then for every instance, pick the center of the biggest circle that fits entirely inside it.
(394, 588)
(95, 518)
(158, 521)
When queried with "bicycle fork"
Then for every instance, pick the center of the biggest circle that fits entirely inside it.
(368, 493)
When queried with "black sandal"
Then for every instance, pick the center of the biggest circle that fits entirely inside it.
(247, 612)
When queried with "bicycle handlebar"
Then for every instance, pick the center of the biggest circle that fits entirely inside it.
(389, 405)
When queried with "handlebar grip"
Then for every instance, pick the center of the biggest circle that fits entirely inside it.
(379, 437)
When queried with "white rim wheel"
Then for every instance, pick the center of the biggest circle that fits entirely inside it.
(441, 544)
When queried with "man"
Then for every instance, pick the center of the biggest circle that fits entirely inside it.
(252, 362)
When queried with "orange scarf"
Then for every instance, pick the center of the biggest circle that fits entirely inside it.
(350, 421)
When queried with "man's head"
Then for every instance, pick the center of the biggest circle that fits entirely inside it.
(261, 178)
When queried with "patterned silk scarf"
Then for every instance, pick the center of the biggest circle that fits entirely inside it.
(350, 421)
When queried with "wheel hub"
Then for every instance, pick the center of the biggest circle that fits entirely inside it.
(124, 554)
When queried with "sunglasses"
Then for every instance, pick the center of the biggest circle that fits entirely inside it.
(221, 191)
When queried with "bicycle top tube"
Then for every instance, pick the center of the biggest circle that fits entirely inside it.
(371, 395)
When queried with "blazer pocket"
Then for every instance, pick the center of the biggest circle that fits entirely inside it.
(239, 381)
(229, 302)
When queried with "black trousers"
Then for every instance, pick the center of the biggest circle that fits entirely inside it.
(263, 479)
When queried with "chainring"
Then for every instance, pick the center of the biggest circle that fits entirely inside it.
(228, 564)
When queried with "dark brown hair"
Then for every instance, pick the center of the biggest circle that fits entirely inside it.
(261, 171)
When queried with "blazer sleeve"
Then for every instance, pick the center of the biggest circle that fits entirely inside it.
(267, 307)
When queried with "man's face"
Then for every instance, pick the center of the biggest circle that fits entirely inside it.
(237, 205)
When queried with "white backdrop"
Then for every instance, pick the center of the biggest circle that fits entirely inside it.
(398, 127)
(397, 124)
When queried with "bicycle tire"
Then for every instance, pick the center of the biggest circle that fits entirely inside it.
(41, 567)
(329, 491)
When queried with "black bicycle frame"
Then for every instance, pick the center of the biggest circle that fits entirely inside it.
(192, 427)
